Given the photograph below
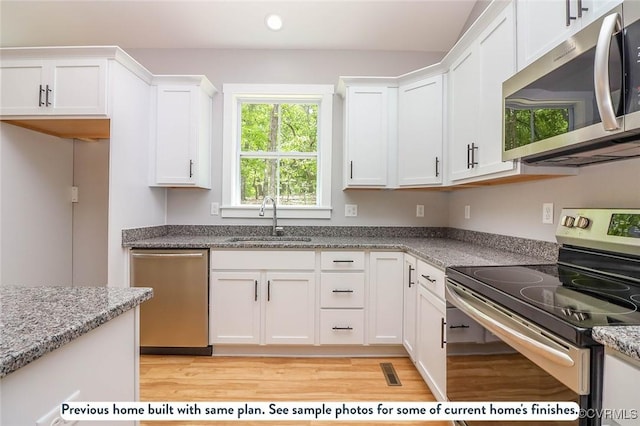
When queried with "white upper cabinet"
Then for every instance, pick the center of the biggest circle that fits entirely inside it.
(420, 132)
(475, 97)
(369, 135)
(181, 133)
(542, 25)
(64, 87)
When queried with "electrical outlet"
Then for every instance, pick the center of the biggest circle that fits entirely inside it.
(547, 213)
(351, 210)
(419, 210)
(215, 209)
(467, 212)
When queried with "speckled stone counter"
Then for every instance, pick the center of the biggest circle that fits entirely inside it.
(624, 339)
(441, 252)
(37, 320)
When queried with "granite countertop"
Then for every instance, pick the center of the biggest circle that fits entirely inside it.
(37, 320)
(441, 252)
(624, 339)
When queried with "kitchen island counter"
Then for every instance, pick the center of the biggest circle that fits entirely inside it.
(37, 320)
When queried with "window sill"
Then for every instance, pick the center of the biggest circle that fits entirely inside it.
(284, 212)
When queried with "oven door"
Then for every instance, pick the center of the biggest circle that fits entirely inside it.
(507, 358)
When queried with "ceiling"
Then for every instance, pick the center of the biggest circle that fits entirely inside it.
(392, 25)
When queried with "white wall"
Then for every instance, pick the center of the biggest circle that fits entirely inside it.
(188, 206)
(36, 220)
(516, 209)
(90, 213)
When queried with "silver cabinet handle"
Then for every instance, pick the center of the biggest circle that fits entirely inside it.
(342, 261)
(255, 291)
(428, 278)
(581, 9)
(411, 269)
(342, 328)
(40, 103)
(269, 291)
(568, 13)
(149, 255)
(437, 164)
(610, 25)
(46, 96)
(190, 168)
(443, 323)
(341, 291)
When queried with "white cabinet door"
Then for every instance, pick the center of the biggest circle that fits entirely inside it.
(385, 297)
(290, 308)
(621, 376)
(497, 62)
(542, 25)
(182, 137)
(463, 98)
(53, 87)
(410, 289)
(431, 352)
(366, 136)
(235, 307)
(476, 79)
(420, 132)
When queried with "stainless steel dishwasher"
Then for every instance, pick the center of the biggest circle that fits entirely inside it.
(176, 319)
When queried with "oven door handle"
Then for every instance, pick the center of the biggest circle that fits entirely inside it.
(508, 333)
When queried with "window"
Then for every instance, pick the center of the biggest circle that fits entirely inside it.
(277, 142)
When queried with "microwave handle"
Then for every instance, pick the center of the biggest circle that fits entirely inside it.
(610, 25)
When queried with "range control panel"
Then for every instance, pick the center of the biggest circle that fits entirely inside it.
(615, 230)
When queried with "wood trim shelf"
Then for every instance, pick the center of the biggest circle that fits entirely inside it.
(87, 129)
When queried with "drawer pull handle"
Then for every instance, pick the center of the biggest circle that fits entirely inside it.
(341, 291)
(428, 278)
(411, 269)
(343, 328)
(342, 261)
(459, 326)
(443, 323)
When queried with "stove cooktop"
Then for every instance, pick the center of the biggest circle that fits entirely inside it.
(564, 300)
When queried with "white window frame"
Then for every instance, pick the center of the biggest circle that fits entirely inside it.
(234, 95)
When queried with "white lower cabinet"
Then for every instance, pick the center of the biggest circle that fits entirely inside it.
(342, 297)
(272, 301)
(385, 297)
(431, 336)
(410, 292)
(621, 375)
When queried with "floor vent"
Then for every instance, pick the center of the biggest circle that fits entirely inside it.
(390, 374)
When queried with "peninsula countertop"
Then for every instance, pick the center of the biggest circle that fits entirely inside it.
(37, 320)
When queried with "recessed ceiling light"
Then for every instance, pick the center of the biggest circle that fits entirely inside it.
(274, 22)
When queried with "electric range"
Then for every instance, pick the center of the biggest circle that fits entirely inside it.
(545, 313)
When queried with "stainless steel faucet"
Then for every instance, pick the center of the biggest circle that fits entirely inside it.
(276, 230)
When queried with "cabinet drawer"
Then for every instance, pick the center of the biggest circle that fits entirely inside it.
(431, 278)
(461, 328)
(342, 290)
(263, 259)
(342, 327)
(342, 261)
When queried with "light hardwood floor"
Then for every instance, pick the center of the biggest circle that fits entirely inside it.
(186, 378)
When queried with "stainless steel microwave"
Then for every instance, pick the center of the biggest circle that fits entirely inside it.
(579, 104)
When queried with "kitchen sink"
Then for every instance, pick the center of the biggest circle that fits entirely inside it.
(268, 239)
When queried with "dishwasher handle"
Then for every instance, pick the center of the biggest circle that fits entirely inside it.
(165, 255)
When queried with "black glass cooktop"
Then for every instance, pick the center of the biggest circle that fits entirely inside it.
(563, 299)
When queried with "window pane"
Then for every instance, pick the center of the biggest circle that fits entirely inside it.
(279, 127)
(259, 127)
(299, 128)
(258, 178)
(298, 182)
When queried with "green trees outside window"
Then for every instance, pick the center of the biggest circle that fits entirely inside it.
(279, 153)
(526, 125)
